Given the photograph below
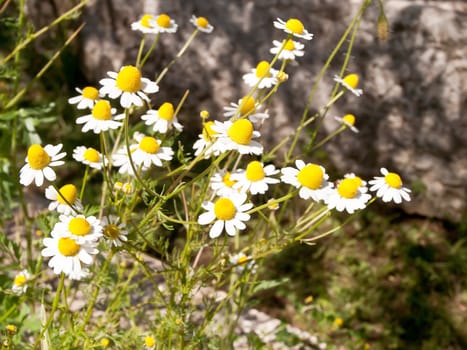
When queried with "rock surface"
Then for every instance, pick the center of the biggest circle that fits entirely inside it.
(411, 117)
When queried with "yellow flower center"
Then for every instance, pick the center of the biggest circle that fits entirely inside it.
(295, 26)
(348, 188)
(102, 110)
(351, 80)
(208, 133)
(79, 226)
(242, 260)
(38, 158)
(163, 21)
(311, 176)
(247, 105)
(129, 79)
(90, 92)
(224, 209)
(262, 69)
(67, 193)
(289, 45)
(241, 131)
(255, 171)
(166, 111)
(204, 114)
(358, 181)
(146, 21)
(393, 180)
(202, 22)
(68, 247)
(149, 341)
(149, 145)
(105, 342)
(91, 155)
(349, 119)
(227, 181)
(112, 231)
(20, 280)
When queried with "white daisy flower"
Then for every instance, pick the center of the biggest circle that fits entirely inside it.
(162, 119)
(87, 97)
(67, 255)
(88, 156)
(349, 195)
(389, 187)
(164, 24)
(255, 178)
(291, 49)
(262, 74)
(20, 283)
(149, 343)
(39, 161)
(145, 25)
(293, 26)
(68, 194)
(207, 142)
(228, 213)
(114, 231)
(238, 136)
(310, 178)
(348, 120)
(124, 187)
(242, 261)
(202, 24)
(350, 82)
(146, 152)
(129, 86)
(223, 184)
(101, 118)
(246, 106)
(82, 229)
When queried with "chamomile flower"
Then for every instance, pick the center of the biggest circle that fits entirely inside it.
(87, 97)
(255, 178)
(246, 106)
(162, 119)
(145, 25)
(262, 74)
(226, 212)
(20, 283)
(349, 195)
(389, 187)
(101, 118)
(124, 187)
(68, 255)
(223, 184)
(81, 228)
(349, 121)
(242, 261)
(39, 163)
(146, 152)
(129, 86)
(238, 135)
(114, 231)
(88, 156)
(350, 82)
(202, 24)
(164, 24)
(291, 49)
(149, 343)
(310, 178)
(293, 26)
(61, 201)
(207, 141)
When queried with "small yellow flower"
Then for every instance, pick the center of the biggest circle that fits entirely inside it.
(338, 322)
(309, 299)
(150, 342)
(11, 329)
(105, 342)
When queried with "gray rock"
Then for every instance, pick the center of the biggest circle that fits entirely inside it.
(412, 114)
